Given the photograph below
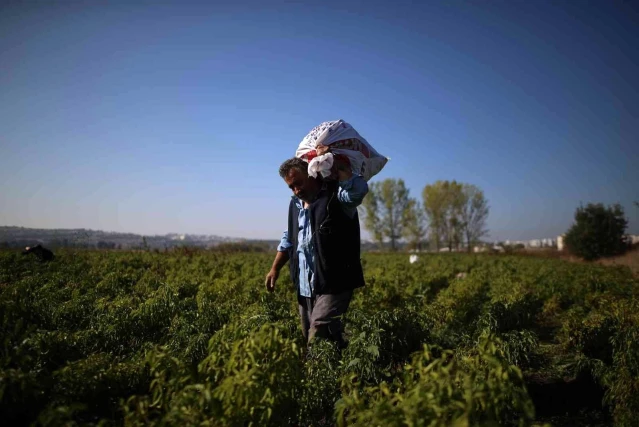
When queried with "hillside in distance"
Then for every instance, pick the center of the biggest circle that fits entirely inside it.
(15, 237)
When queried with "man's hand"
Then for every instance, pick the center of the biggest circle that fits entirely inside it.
(342, 167)
(280, 259)
(271, 278)
(322, 149)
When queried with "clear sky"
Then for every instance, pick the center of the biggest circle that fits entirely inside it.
(158, 117)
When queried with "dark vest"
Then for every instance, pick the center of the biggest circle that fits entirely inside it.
(336, 244)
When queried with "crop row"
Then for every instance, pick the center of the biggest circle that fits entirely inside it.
(100, 337)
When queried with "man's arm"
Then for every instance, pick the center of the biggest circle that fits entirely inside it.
(280, 260)
(352, 189)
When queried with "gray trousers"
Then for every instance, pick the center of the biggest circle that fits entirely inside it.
(321, 316)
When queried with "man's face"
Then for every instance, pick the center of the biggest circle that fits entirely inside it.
(303, 186)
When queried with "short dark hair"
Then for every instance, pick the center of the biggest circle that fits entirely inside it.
(294, 163)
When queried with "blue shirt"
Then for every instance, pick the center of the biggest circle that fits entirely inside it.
(350, 193)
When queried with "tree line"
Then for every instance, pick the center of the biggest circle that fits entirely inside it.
(451, 214)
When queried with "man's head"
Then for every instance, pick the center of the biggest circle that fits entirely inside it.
(41, 253)
(32, 249)
(295, 174)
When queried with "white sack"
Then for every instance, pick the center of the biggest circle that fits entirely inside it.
(364, 159)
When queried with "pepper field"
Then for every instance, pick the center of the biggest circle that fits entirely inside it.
(192, 338)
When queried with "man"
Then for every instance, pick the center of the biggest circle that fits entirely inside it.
(322, 243)
(41, 253)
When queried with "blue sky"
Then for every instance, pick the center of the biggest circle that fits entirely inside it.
(166, 117)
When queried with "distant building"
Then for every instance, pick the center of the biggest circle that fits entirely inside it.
(632, 239)
(560, 242)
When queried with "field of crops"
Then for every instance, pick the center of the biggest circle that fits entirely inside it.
(186, 338)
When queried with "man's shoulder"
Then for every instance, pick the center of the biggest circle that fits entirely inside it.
(294, 205)
(332, 185)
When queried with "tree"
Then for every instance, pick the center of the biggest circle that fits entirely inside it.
(474, 214)
(435, 206)
(384, 210)
(443, 202)
(394, 198)
(597, 232)
(454, 225)
(370, 208)
(414, 224)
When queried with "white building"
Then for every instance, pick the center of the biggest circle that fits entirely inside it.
(560, 242)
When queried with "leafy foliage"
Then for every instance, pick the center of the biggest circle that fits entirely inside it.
(143, 338)
(414, 221)
(384, 209)
(444, 390)
(597, 232)
(456, 212)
